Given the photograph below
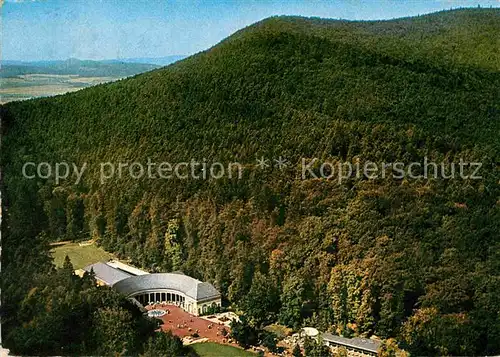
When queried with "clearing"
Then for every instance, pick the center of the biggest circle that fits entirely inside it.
(80, 256)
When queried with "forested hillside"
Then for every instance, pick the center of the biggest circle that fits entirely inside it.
(414, 259)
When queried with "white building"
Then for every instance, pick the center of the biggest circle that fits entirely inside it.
(194, 296)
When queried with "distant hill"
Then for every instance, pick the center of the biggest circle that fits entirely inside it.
(412, 259)
(75, 67)
(160, 61)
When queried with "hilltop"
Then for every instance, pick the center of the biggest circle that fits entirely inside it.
(464, 37)
(412, 259)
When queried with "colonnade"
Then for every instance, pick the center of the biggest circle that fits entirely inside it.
(160, 297)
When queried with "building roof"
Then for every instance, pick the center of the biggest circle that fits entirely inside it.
(191, 287)
(106, 273)
(126, 268)
(364, 344)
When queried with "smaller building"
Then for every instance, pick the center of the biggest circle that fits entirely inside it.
(354, 346)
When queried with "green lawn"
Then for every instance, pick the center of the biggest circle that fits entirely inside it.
(210, 349)
(80, 256)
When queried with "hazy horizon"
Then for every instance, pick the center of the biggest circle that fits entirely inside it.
(5, 60)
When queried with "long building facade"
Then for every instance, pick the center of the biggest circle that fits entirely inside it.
(194, 296)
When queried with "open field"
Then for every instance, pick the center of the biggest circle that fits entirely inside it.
(80, 256)
(211, 349)
(42, 85)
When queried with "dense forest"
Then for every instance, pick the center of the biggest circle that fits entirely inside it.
(417, 260)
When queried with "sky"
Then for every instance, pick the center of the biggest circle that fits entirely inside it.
(110, 29)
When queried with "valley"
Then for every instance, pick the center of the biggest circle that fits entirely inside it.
(30, 86)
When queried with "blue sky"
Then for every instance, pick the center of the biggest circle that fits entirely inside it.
(106, 29)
